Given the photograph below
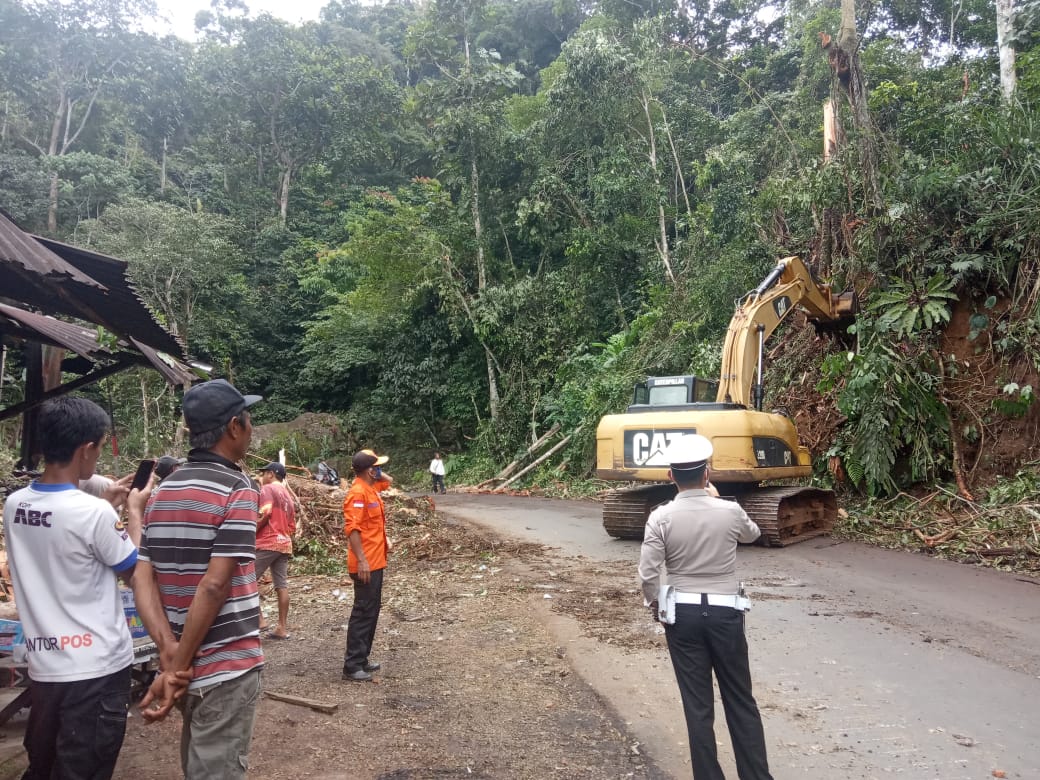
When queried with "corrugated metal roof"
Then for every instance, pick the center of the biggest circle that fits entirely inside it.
(24, 255)
(172, 370)
(30, 326)
(115, 305)
(76, 338)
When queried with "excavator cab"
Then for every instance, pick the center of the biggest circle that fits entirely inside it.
(659, 393)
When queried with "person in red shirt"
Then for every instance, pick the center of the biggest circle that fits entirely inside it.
(365, 527)
(275, 529)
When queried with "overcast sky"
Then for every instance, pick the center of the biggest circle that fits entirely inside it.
(181, 13)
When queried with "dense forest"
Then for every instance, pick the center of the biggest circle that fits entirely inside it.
(454, 224)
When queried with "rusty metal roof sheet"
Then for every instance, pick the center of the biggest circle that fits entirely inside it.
(26, 324)
(172, 370)
(22, 254)
(115, 304)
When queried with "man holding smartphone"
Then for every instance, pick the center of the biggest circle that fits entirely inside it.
(365, 527)
(66, 550)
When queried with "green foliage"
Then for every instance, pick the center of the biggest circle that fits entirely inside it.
(1014, 401)
(1024, 486)
(897, 428)
(907, 309)
(314, 557)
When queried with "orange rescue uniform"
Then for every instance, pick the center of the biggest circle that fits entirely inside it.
(363, 512)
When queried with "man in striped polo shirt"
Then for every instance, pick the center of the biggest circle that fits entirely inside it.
(198, 548)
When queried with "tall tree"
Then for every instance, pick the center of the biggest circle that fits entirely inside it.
(463, 101)
(183, 264)
(62, 56)
(1005, 48)
(844, 59)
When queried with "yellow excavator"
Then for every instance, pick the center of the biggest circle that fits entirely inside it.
(751, 446)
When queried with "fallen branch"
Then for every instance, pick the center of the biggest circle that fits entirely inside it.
(302, 702)
(559, 444)
(533, 448)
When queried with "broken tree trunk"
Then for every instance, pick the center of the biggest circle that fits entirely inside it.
(519, 474)
(533, 448)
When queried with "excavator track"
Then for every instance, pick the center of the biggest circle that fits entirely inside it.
(625, 511)
(788, 515)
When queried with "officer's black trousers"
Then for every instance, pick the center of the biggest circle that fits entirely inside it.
(704, 638)
(361, 628)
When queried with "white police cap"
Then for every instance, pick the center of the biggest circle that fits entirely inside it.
(688, 452)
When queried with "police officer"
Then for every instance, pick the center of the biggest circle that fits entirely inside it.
(694, 539)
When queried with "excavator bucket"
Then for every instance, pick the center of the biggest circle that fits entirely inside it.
(843, 314)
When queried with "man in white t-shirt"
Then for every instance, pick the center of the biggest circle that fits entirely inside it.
(437, 472)
(66, 550)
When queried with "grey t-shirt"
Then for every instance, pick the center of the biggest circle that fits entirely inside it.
(694, 539)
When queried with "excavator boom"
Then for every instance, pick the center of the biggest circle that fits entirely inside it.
(760, 312)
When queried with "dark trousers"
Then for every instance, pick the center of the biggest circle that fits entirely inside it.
(361, 628)
(438, 483)
(703, 639)
(75, 729)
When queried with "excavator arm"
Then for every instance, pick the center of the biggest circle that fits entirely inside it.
(760, 312)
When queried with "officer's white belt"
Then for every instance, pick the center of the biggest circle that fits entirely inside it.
(714, 600)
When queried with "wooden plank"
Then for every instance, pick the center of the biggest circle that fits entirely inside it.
(302, 702)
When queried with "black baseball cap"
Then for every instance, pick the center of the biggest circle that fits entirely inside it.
(275, 468)
(209, 405)
(166, 465)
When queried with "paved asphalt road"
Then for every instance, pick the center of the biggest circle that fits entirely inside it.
(867, 663)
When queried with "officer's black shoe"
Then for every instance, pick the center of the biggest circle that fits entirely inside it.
(372, 666)
(359, 676)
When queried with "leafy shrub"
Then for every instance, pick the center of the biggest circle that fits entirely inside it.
(312, 556)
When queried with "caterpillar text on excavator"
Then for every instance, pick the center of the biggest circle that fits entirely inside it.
(751, 446)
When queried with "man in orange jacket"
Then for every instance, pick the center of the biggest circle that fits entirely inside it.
(365, 527)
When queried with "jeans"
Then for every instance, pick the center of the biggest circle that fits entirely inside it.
(76, 729)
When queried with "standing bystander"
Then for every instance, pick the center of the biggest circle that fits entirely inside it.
(695, 537)
(197, 562)
(365, 526)
(437, 471)
(66, 550)
(274, 534)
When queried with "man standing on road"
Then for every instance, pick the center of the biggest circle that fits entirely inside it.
(66, 550)
(694, 538)
(365, 527)
(437, 471)
(274, 535)
(197, 560)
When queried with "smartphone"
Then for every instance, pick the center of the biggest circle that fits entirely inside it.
(144, 471)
